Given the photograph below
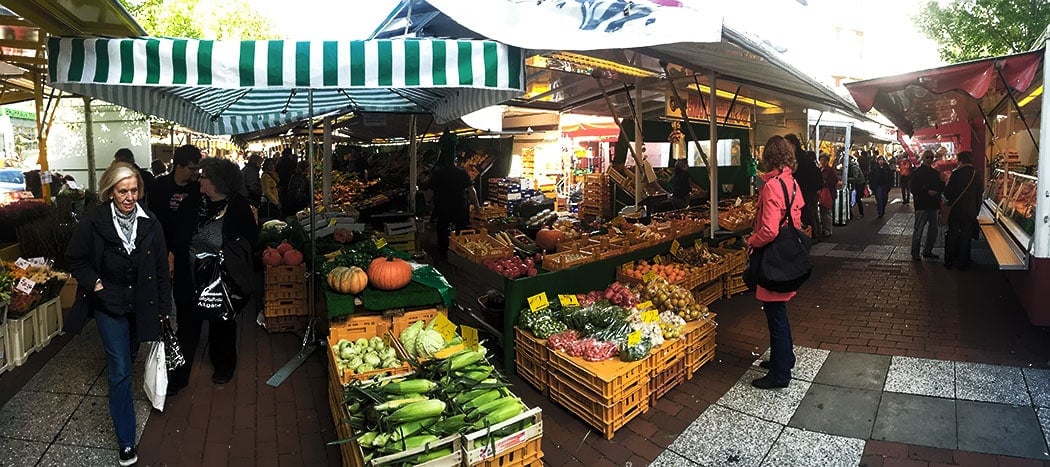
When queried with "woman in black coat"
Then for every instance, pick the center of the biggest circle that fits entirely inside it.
(218, 219)
(881, 180)
(963, 193)
(119, 258)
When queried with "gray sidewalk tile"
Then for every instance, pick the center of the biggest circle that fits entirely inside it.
(37, 416)
(1038, 381)
(670, 458)
(1000, 429)
(91, 425)
(854, 370)
(990, 383)
(67, 375)
(921, 376)
(776, 405)
(807, 362)
(843, 253)
(1043, 414)
(721, 436)
(801, 448)
(822, 248)
(87, 344)
(19, 452)
(78, 456)
(921, 420)
(138, 374)
(839, 411)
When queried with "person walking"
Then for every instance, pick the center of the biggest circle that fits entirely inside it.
(285, 168)
(251, 177)
(681, 185)
(297, 197)
(904, 170)
(963, 193)
(217, 220)
(832, 183)
(809, 179)
(452, 188)
(773, 207)
(270, 207)
(857, 182)
(119, 258)
(926, 187)
(881, 180)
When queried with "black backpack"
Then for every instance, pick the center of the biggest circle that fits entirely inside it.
(783, 264)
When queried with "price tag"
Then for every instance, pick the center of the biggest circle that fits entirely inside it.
(45, 177)
(21, 263)
(331, 222)
(38, 261)
(445, 327)
(25, 285)
(658, 259)
(380, 242)
(698, 245)
(628, 265)
(675, 246)
(538, 302)
(645, 305)
(72, 185)
(651, 316)
(649, 276)
(470, 337)
(568, 300)
(634, 338)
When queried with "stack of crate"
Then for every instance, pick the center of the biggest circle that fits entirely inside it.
(699, 339)
(667, 368)
(285, 298)
(597, 196)
(605, 394)
(530, 359)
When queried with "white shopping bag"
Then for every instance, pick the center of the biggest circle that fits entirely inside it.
(156, 378)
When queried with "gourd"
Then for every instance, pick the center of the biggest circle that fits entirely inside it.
(389, 273)
(293, 257)
(272, 257)
(347, 280)
(548, 239)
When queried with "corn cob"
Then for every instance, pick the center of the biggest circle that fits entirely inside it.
(408, 429)
(500, 414)
(483, 409)
(449, 425)
(464, 397)
(432, 455)
(417, 411)
(398, 403)
(410, 386)
(411, 442)
(465, 359)
(482, 399)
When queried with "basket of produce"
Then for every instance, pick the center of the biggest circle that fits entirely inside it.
(567, 259)
(477, 246)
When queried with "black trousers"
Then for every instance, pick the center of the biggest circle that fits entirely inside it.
(447, 222)
(222, 344)
(957, 242)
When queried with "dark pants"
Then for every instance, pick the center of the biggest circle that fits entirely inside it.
(121, 344)
(781, 352)
(924, 219)
(810, 213)
(445, 223)
(222, 345)
(858, 192)
(957, 242)
(905, 191)
(882, 197)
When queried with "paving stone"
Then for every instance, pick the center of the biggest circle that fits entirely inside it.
(807, 362)
(721, 436)
(91, 426)
(669, 458)
(78, 456)
(921, 376)
(138, 373)
(854, 370)
(1038, 381)
(912, 419)
(20, 452)
(1001, 429)
(990, 383)
(822, 248)
(36, 416)
(841, 253)
(87, 344)
(776, 405)
(803, 448)
(1043, 414)
(839, 411)
(67, 375)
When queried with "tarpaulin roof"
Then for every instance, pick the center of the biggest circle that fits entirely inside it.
(233, 87)
(939, 96)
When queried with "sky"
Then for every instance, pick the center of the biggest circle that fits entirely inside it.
(891, 43)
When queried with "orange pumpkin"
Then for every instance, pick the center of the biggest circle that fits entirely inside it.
(346, 280)
(293, 257)
(548, 238)
(271, 257)
(389, 273)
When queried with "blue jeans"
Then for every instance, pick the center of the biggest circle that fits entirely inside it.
(781, 351)
(924, 218)
(882, 197)
(121, 345)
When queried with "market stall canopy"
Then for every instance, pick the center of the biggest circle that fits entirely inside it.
(945, 95)
(234, 87)
(77, 18)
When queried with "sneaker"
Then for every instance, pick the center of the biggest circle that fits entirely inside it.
(930, 255)
(128, 456)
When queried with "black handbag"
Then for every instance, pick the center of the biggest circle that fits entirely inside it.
(217, 294)
(173, 355)
(782, 265)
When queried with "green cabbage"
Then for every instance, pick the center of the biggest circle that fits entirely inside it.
(409, 335)
(428, 342)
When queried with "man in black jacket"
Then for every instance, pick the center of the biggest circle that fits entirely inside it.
(926, 188)
(807, 174)
(963, 192)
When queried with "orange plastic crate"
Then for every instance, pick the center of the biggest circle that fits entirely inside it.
(709, 293)
(285, 274)
(532, 371)
(525, 341)
(606, 415)
(666, 355)
(405, 320)
(286, 307)
(523, 447)
(734, 284)
(697, 358)
(602, 380)
(661, 383)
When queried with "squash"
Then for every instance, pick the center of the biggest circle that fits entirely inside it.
(284, 247)
(293, 257)
(271, 257)
(548, 239)
(389, 273)
(347, 280)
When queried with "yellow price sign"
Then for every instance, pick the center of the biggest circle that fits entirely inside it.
(675, 246)
(538, 302)
(645, 305)
(380, 242)
(568, 300)
(331, 222)
(628, 265)
(658, 259)
(649, 276)
(470, 337)
(634, 338)
(446, 328)
(698, 245)
(651, 316)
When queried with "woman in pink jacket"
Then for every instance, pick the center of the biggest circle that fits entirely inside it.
(779, 160)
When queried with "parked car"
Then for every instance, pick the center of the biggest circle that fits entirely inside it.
(12, 180)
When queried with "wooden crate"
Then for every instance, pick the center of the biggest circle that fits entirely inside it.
(605, 380)
(606, 414)
(284, 291)
(663, 382)
(285, 274)
(459, 242)
(734, 284)
(709, 293)
(519, 448)
(736, 259)
(286, 323)
(350, 453)
(566, 260)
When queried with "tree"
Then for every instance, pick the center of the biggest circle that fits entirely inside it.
(201, 19)
(972, 29)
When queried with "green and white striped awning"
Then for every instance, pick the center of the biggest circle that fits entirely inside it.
(233, 87)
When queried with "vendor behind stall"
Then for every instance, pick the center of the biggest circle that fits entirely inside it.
(680, 185)
(451, 186)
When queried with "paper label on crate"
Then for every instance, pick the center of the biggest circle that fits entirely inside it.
(21, 263)
(25, 285)
(658, 259)
(470, 337)
(538, 302)
(651, 316)
(446, 328)
(45, 177)
(675, 246)
(38, 261)
(634, 338)
(649, 276)
(568, 300)
(628, 265)
(380, 242)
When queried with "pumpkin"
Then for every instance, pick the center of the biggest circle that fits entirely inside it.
(347, 280)
(548, 238)
(389, 273)
(293, 257)
(284, 247)
(271, 257)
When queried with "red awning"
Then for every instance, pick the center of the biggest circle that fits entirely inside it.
(947, 94)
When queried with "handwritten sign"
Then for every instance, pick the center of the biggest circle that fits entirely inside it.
(21, 263)
(538, 302)
(645, 305)
(634, 338)
(470, 337)
(658, 259)
(649, 276)
(380, 242)
(38, 261)
(651, 316)
(25, 285)
(628, 266)
(568, 300)
(698, 245)
(446, 328)
(675, 246)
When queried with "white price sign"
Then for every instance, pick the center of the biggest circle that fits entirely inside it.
(25, 285)
(38, 261)
(21, 263)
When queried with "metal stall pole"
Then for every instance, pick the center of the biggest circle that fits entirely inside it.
(712, 165)
(89, 135)
(326, 175)
(638, 172)
(413, 164)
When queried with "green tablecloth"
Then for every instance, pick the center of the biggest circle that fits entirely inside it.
(417, 293)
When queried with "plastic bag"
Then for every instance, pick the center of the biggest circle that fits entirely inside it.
(172, 351)
(156, 378)
(217, 294)
(636, 352)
